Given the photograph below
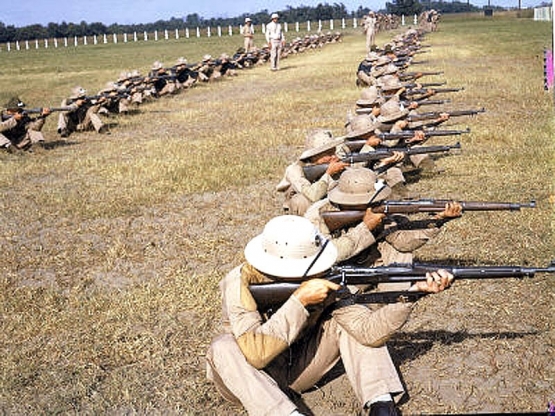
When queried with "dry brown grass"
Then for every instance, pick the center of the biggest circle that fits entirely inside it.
(112, 246)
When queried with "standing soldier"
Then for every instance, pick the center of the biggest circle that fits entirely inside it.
(370, 30)
(248, 33)
(276, 40)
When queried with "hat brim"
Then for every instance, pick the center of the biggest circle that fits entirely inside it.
(307, 154)
(393, 117)
(336, 196)
(357, 133)
(288, 268)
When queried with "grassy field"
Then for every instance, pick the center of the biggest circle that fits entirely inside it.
(112, 246)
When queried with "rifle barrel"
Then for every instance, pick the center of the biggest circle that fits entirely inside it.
(273, 295)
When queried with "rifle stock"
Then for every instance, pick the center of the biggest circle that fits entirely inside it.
(336, 220)
(272, 295)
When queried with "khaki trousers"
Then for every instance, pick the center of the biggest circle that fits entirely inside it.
(275, 53)
(370, 371)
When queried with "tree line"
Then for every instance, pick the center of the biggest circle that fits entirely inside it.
(335, 11)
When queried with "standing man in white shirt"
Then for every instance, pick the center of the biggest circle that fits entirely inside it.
(276, 40)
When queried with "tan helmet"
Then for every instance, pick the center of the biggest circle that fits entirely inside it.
(319, 141)
(360, 125)
(78, 92)
(391, 111)
(358, 186)
(370, 96)
(290, 247)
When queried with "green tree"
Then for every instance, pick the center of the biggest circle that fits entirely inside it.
(404, 7)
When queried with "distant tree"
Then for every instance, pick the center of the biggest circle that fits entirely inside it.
(404, 7)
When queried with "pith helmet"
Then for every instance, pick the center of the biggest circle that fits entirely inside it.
(389, 82)
(157, 65)
(370, 96)
(78, 92)
(290, 246)
(358, 186)
(319, 141)
(181, 61)
(391, 111)
(360, 125)
(15, 104)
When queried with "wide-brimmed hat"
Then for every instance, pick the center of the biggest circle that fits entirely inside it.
(319, 141)
(248, 19)
(124, 76)
(181, 61)
(14, 104)
(372, 56)
(389, 82)
(360, 125)
(390, 69)
(109, 87)
(369, 96)
(382, 60)
(358, 186)
(206, 58)
(290, 246)
(274, 16)
(78, 92)
(157, 65)
(391, 111)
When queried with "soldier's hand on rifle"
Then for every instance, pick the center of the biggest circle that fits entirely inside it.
(419, 136)
(452, 210)
(401, 124)
(314, 291)
(401, 91)
(335, 166)
(413, 105)
(393, 159)
(373, 141)
(443, 117)
(80, 102)
(372, 219)
(435, 282)
(45, 112)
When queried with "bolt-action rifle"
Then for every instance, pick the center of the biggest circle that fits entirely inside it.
(270, 296)
(336, 220)
(413, 75)
(435, 114)
(39, 110)
(416, 91)
(421, 102)
(407, 134)
(314, 172)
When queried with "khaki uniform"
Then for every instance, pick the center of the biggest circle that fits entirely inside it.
(360, 246)
(79, 118)
(263, 363)
(248, 34)
(21, 134)
(275, 38)
(298, 192)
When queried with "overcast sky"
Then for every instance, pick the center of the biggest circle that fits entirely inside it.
(27, 12)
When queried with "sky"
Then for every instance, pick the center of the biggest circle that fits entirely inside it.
(28, 12)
